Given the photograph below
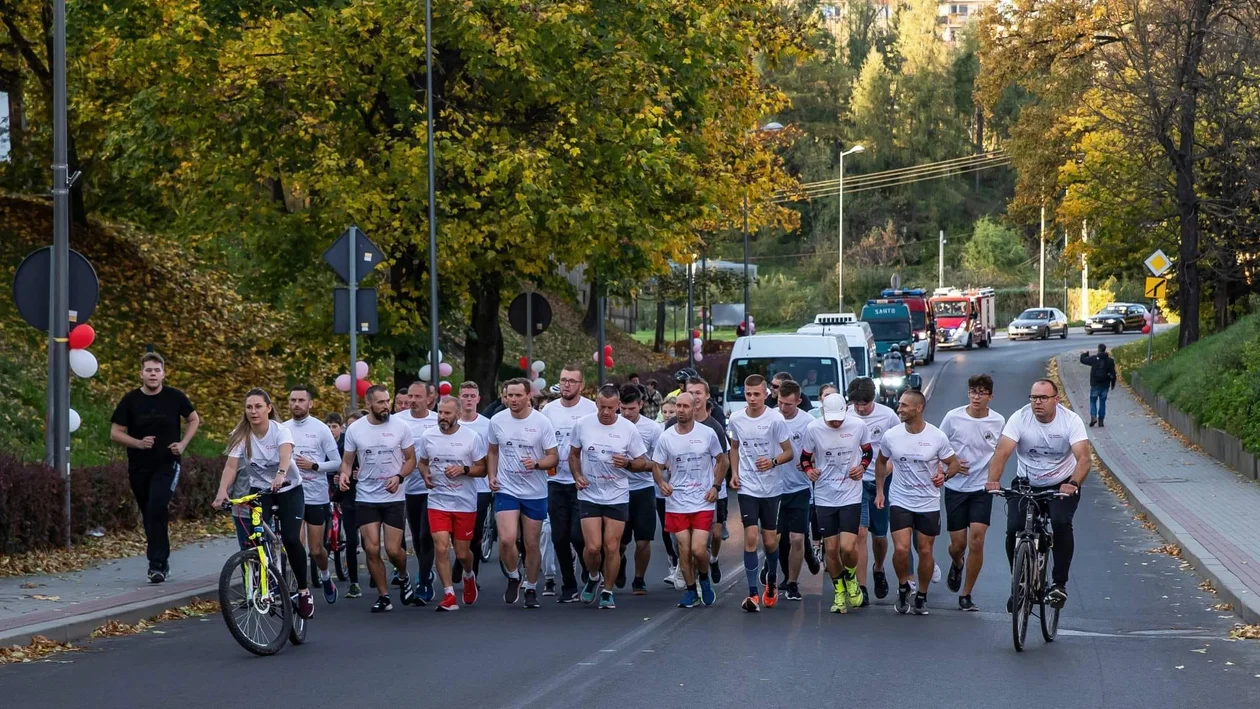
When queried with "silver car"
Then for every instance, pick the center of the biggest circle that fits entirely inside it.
(1038, 323)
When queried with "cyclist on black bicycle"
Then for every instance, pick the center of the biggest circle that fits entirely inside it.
(1052, 452)
(265, 446)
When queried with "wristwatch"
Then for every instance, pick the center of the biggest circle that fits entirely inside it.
(466, 470)
(718, 487)
(400, 478)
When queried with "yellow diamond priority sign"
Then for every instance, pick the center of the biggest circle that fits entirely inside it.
(1158, 263)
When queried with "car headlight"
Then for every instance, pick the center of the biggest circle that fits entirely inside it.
(894, 382)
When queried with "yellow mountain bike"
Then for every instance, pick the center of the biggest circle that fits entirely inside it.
(257, 588)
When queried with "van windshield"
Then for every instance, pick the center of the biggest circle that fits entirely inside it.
(890, 330)
(859, 359)
(810, 372)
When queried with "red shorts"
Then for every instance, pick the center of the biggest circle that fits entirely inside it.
(458, 524)
(676, 522)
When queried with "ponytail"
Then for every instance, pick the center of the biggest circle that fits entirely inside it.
(240, 433)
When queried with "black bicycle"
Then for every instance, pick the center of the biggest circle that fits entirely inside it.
(1032, 557)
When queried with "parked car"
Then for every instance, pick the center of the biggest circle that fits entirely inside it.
(1038, 323)
(1117, 317)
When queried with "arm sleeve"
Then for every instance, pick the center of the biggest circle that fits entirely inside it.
(332, 459)
(122, 412)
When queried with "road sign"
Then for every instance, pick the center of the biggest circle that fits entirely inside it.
(1156, 288)
(30, 288)
(366, 255)
(1158, 263)
(365, 320)
(541, 316)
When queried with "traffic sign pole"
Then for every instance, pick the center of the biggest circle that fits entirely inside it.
(529, 331)
(1150, 341)
(58, 421)
(353, 252)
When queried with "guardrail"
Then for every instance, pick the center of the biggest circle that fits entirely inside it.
(1215, 442)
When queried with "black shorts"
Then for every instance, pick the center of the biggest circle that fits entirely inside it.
(723, 507)
(316, 515)
(963, 509)
(794, 512)
(928, 523)
(641, 522)
(618, 513)
(834, 520)
(390, 514)
(759, 512)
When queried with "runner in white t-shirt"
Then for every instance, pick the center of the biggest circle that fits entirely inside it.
(522, 451)
(874, 523)
(795, 491)
(759, 443)
(973, 431)
(386, 453)
(1052, 451)
(689, 467)
(604, 450)
(835, 454)
(914, 453)
(469, 399)
(450, 458)
(562, 497)
(641, 522)
(316, 456)
(264, 448)
(420, 418)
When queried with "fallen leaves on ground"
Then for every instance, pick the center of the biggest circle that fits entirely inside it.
(114, 545)
(1172, 550)
(1206, 585)
(1245, 632)
(42, 597)
(39, 648)
(116, 629)
(1223, 607)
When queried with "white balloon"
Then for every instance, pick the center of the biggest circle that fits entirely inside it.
(425, 371)
(540, 383)
(595, 357)
(699, 357)
(697, 342)
(361, 370)
(83, 363)
(75, 421)
(538, 366)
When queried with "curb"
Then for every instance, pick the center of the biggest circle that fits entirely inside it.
(1228, 586)
(78, 627)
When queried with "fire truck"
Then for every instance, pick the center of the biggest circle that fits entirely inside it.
(964, 318)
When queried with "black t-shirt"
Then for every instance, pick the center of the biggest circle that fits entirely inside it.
(156, 415)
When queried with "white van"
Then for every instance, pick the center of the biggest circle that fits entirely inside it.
(852, 333)
(811, 360)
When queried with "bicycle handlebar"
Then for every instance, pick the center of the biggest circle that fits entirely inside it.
(1015, 492)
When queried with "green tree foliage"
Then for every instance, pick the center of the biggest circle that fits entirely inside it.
(994, 249)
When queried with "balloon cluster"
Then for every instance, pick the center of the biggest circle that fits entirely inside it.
(532, 372)
(608, 357)
(82, 362)
(361, 383)
(444, 370)
(697, 346)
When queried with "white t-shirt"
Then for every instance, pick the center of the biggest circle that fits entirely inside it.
(791, 479)
(264, 458)
(1044, 450)
(761, 437)
(688, 460)
(835, 451)
(915, 458)
(380, 451)
(463, 447)
(974, 440)
(312, 440)
(649, 431)
(481, 425)
(529, 437)
(881, 420)
(415, 483)
(597, 444)
(563, 419)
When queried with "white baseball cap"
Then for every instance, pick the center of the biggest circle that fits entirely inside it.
(834, 408)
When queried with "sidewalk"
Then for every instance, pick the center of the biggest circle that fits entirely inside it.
(1194, 501)
(66, 607)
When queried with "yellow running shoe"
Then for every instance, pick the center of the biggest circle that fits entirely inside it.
(841, 603)
(855, 592)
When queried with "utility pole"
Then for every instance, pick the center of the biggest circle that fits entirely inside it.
(430, 147)
(1041, 298)
(940, 262)
(1084, 271)
(58, 453)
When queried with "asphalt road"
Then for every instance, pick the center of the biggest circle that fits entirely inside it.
(1137, 632)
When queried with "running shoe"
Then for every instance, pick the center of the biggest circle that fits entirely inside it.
(568, 595)
(382, 605)
(448, 603)
(426, 588)
(964, 602)
(750, 604)
(1057, 596)
(306, 606)
(156, 576)
(330, 590)
(954, 581)
(639, 587)
(715, 570)
(621, 574)
(355, 591)
(512, 593)
(409, 594)
(866, 597)
(811, 560)
(690, 599)
(397, 580)
(531, 598)
(606, 601)
(1010, 604)
(854, 591)
(840, 604)
(936, 573)
(470, 590)
(793, 592)
(726, 533)
(672, 575)
(706, 592)
(590, 591)
(920, 604)
(771, 596)
(881, 584)
(680, 583)
(903, 599)
(549, 588)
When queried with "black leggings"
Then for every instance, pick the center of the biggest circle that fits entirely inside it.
(566, 530)
(1062, 510)
(291, 505)
(669, 538)
(418, 520)
(350, 525)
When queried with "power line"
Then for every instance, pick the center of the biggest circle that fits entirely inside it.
(876, 185)
(932, 166)
(857, 185)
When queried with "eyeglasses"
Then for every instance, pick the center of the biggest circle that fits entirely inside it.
(1038, 398)
(570, 380)
(978, 392)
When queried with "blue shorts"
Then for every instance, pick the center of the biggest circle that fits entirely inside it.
(873, 519)
(533, 509)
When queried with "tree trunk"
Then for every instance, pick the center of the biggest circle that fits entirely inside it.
(590, 321)
(658, 342)
(483, 351)
(1220, 301)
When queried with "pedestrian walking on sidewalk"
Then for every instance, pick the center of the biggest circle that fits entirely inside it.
(146, 421)
(1102, 379)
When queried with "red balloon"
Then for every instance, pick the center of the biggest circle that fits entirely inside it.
(444, 388)
(608, 350)
(82, 337)
(523, 362)
(608, 362)
(1146, 329)
(695, 334)
(361, 387)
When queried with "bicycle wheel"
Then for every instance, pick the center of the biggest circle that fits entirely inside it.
(338, 552)
(259, 623)
(1049, 614)
(489, 535)
(297, 629)
(1021, 593)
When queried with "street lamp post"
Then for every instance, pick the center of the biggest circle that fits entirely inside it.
(772, 127)
(434, 346)
(840, 255)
